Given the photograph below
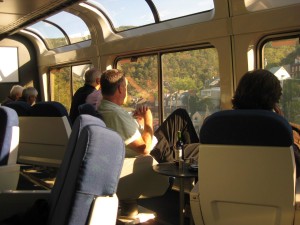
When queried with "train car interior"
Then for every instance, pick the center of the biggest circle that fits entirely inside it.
(176, 54)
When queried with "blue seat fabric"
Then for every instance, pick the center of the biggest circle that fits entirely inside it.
(49, 109)
(22, 108)
(91, 167)
(234, 127)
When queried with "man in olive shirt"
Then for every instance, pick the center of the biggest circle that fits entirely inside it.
(136, 129)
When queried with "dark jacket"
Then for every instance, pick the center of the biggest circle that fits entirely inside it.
(79, 99)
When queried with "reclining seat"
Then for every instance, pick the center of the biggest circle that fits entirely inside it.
(37, 147)
(135, 171)
(90, 169)
(9, 140)
(86, 183)
(246, 170)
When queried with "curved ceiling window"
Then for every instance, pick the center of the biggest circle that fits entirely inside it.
(257, 5)
(61, 29)
(179, 8)
(125, 15)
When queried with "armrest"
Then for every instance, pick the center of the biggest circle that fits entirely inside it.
(9, 176)
(19, 201)
(104, 211)
(138, 180)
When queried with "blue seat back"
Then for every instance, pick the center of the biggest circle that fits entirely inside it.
(49, 109)
(91, 167)
(22, 108)
(246, 127)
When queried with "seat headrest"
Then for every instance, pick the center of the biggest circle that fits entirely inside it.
(246, 127)
(22, 108)
(89, 109)
(49, 109)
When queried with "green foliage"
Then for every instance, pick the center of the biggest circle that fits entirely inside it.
(283, 53)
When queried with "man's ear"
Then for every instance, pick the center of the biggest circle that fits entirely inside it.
(98, 80)
(119, 89)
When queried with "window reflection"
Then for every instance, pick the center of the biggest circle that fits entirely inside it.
(282, 58)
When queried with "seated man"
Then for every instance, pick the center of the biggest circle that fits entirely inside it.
(136, 129)
(29, 95)
(14, 94)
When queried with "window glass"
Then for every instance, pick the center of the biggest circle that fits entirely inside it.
(135, 13)
(74, 26)
(191, 80)
(61, 29)
(282, 58)
(142, 76)
(125, 14)
(179, 8)
(65, 79)
(51, 35)
(60, 83)
(78, 76)
(257, 5)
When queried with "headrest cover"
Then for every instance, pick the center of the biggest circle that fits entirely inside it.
(22, 108)
(246, 127)
(48, 109)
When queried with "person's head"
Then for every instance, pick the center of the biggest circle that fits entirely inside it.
(114, 86)
(92, 77)
(258, 89)
(16, 92)
(29, 95)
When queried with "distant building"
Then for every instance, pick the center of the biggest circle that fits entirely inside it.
(280, 72)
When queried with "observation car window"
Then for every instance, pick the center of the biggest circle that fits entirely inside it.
(257, 5)
(190, 80)
(65, 81)
(142, 75)
(61, 29)
(179, 8)
(52, 36)
(282, 58)
(125, 15)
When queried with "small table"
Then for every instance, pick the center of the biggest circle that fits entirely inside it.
(172, 170)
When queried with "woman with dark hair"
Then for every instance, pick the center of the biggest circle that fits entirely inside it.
(261, 89)
(258, 89)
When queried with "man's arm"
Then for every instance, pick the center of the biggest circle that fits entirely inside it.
(143, 144)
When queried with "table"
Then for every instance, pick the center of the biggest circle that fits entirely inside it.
(172, 170)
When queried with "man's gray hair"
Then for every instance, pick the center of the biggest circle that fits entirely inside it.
(15, 90)
(29, 91)
(91, 75)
